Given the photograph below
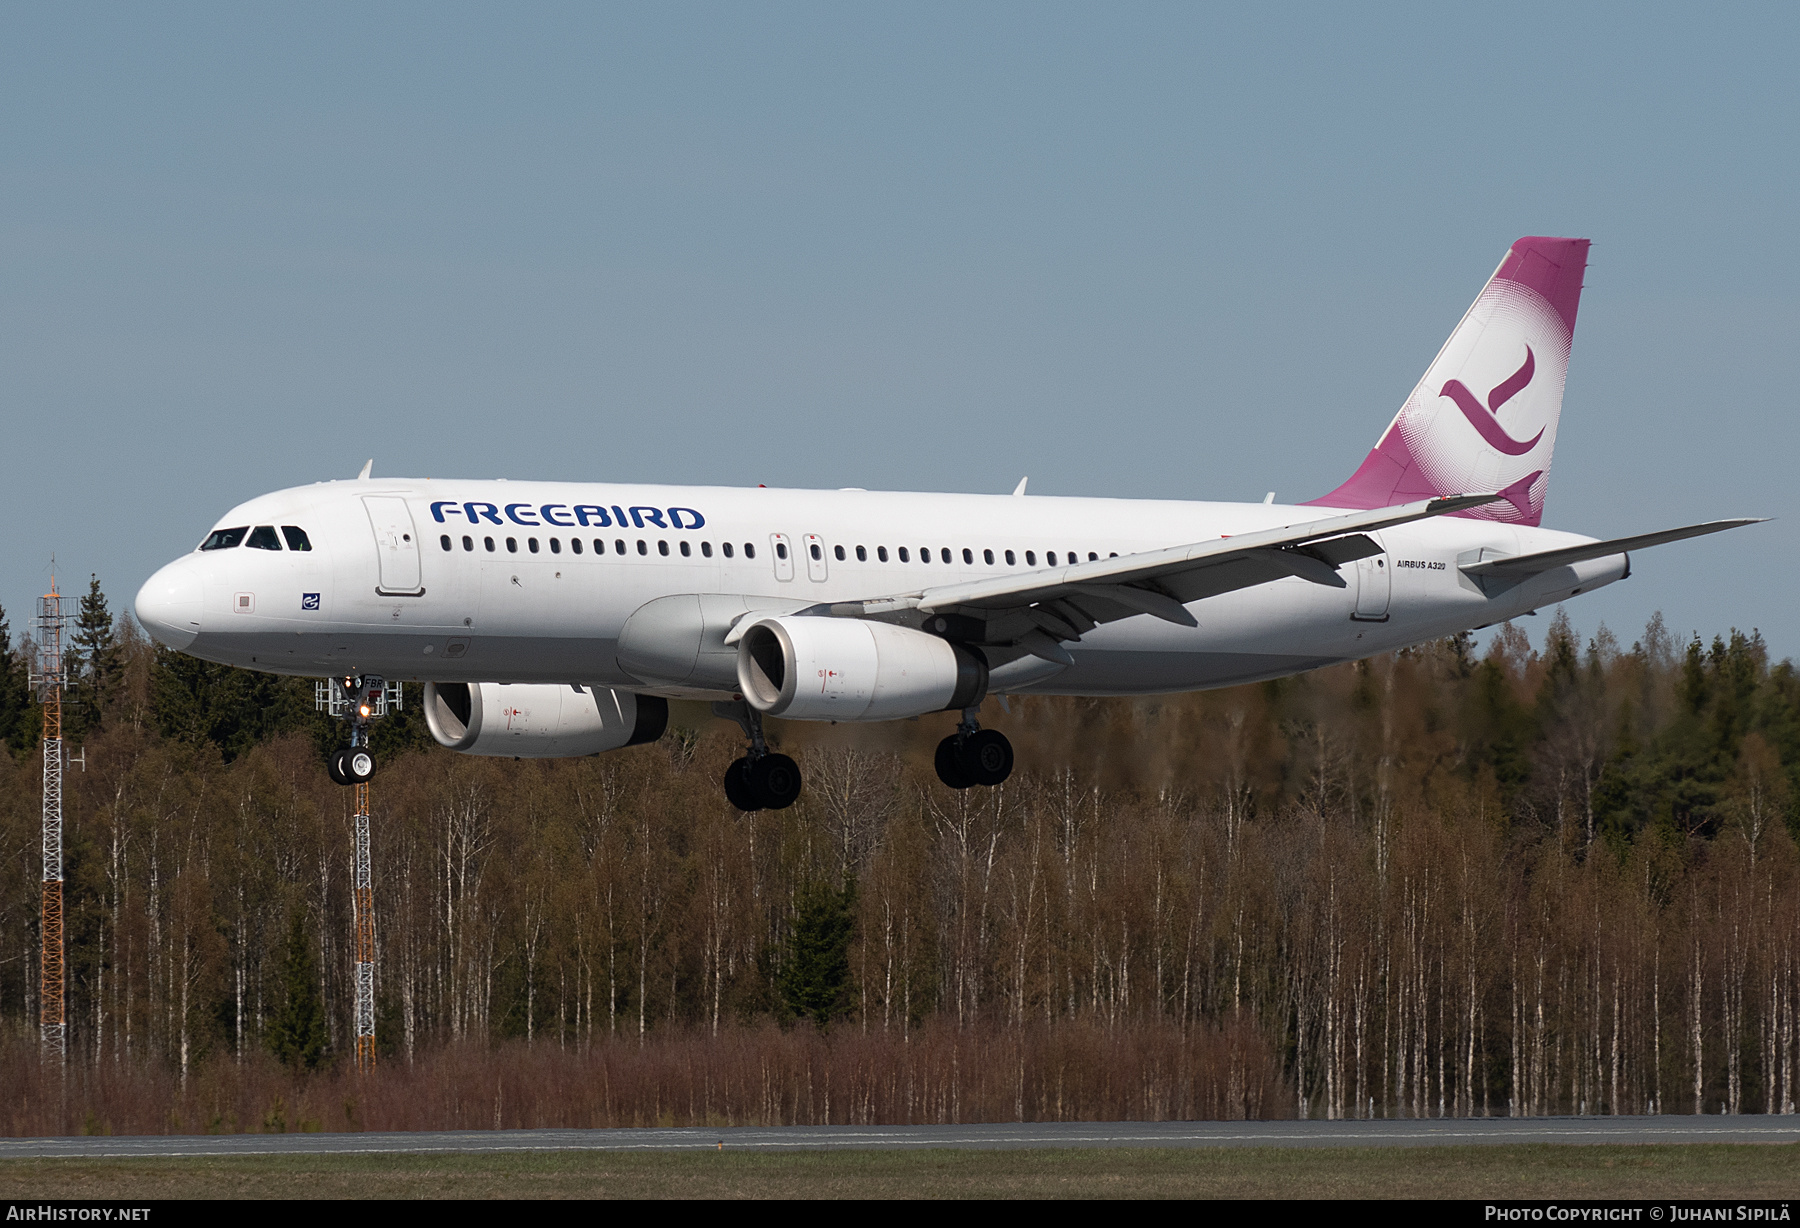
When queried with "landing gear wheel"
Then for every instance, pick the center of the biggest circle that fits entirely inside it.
(334, 768)
(737, 786)
(775, 781)
(986, 757)
(357, 764)
(949, 765)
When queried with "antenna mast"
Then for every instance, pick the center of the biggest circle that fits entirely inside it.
(50, 682)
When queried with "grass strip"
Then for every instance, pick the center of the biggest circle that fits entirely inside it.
(1708, 1170)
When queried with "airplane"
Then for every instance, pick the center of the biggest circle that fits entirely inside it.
(554, 619)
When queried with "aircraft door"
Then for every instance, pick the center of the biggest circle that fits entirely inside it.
(815, 558)
(1374, 586)
(782, 550)
(396, 545)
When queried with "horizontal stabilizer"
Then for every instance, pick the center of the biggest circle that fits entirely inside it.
(1531, 564)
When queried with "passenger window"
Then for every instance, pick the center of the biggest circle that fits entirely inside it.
(945, 552)
(988, 557)
(727, 549)
(839, 552)
(296, 537)
(1113, 555)
(224, 539)
(749, 550)
(903, 557)
(512, 545)
(816, 552)
(556, 545)
(706, 550)
(686, 550)
(468, 543)
(489, 543)
(1092, 557)
(618, 545)
(531, 542)
(780, 550)
(1050, 558)
(1010, 560)
(599, 545)
(862, 554)
(662, 548)
(642, 547)
(444, 541)
(575, 544)
(881, 553)
(925, 554)
(1031, 558)
(969, 557)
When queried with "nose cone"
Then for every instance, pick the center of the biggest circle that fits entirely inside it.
(170, 602)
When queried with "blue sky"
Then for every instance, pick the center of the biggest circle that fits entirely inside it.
(1147, 250)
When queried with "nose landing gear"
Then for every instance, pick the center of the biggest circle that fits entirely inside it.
(973, 756)
(762, 779)
(359, 700)
(351, 766)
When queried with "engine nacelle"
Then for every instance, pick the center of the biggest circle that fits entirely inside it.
(533, 721)
(816, 668)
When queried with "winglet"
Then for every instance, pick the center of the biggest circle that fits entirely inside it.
(367, 465)
(1020, 488)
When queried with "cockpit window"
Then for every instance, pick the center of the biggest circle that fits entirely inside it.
(262, 537)
(225, 539)
(296, 537)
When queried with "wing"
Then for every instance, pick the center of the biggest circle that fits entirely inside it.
(1037, 610)
(1518, 567)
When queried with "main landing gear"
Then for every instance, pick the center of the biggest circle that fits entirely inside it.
(973, 755)
(358, 700)
(762, 779)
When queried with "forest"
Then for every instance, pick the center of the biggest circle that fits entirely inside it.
(1540, 879)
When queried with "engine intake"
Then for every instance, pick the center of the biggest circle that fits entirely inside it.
(851, 669)
(540, 722)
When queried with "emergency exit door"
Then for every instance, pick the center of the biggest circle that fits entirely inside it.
(781, 551)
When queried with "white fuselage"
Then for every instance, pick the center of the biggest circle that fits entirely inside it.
(362, 600)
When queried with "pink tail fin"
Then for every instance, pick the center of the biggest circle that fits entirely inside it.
(1484, 417)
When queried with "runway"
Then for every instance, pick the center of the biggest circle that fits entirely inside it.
(1001, 1136)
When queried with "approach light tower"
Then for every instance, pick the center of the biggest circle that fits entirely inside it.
(363, 906)
(49, 681)
(360, 700)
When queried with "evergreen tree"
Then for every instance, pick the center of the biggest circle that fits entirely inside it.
(197, 702)
(297, 1033)
(93, 665)
(815, 977)
(18, 724)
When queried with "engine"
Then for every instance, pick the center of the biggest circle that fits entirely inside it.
(851, 669)
(540, 722)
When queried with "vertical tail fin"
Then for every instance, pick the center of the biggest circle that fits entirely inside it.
(1484, 417)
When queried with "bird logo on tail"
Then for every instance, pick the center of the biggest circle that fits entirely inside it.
(1486, 420)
